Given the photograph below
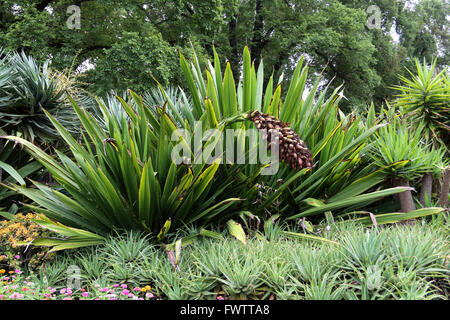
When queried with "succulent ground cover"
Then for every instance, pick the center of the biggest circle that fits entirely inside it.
(391, 262)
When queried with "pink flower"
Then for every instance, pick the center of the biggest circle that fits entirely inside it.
(115, 285)
(124, 286)
(219, 298)
(67, 298)
(16, 295)
(47, 295)
(17, 257)
(137, 289)
(149, 295)
(125, 292)
(104, 289)
(85, 294)
(62, 291)
(18, 271)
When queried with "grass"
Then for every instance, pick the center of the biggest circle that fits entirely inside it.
(393, 262)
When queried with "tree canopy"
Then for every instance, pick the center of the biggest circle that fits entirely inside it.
(128, 42)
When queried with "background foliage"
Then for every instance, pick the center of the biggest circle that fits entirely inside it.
(333, 33)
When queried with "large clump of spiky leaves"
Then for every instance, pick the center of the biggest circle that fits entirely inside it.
(402, 151)
(340, 176)
(122, 177)
(424, 97)
(26, 89)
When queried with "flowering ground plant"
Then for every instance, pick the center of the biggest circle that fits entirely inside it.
(15, 285)
(13, 233)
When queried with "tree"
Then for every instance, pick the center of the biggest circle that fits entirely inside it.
(333, 34)
(118, 70)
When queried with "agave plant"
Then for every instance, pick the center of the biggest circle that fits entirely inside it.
(122, 177)
(114, 108)
(156, 98)
(6, 72)
(425, 98)
(27, 89)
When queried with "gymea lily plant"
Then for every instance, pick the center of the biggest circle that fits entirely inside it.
(121, 177)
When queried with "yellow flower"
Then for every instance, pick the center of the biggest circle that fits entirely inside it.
(2, 271)
(143, 290)
(148, 288)
(11, 272)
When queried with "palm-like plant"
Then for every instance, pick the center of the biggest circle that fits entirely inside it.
(404, 154)
(425, 97)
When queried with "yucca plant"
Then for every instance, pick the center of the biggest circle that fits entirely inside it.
(425, 97)
(405, 156)
(121, 178)
(26, 88)
(338, 177)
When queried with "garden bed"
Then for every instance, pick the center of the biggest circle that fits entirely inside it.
(394, 262)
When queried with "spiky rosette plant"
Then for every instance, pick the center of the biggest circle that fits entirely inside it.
(27, 89)
(424, 97)
(292, 149)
